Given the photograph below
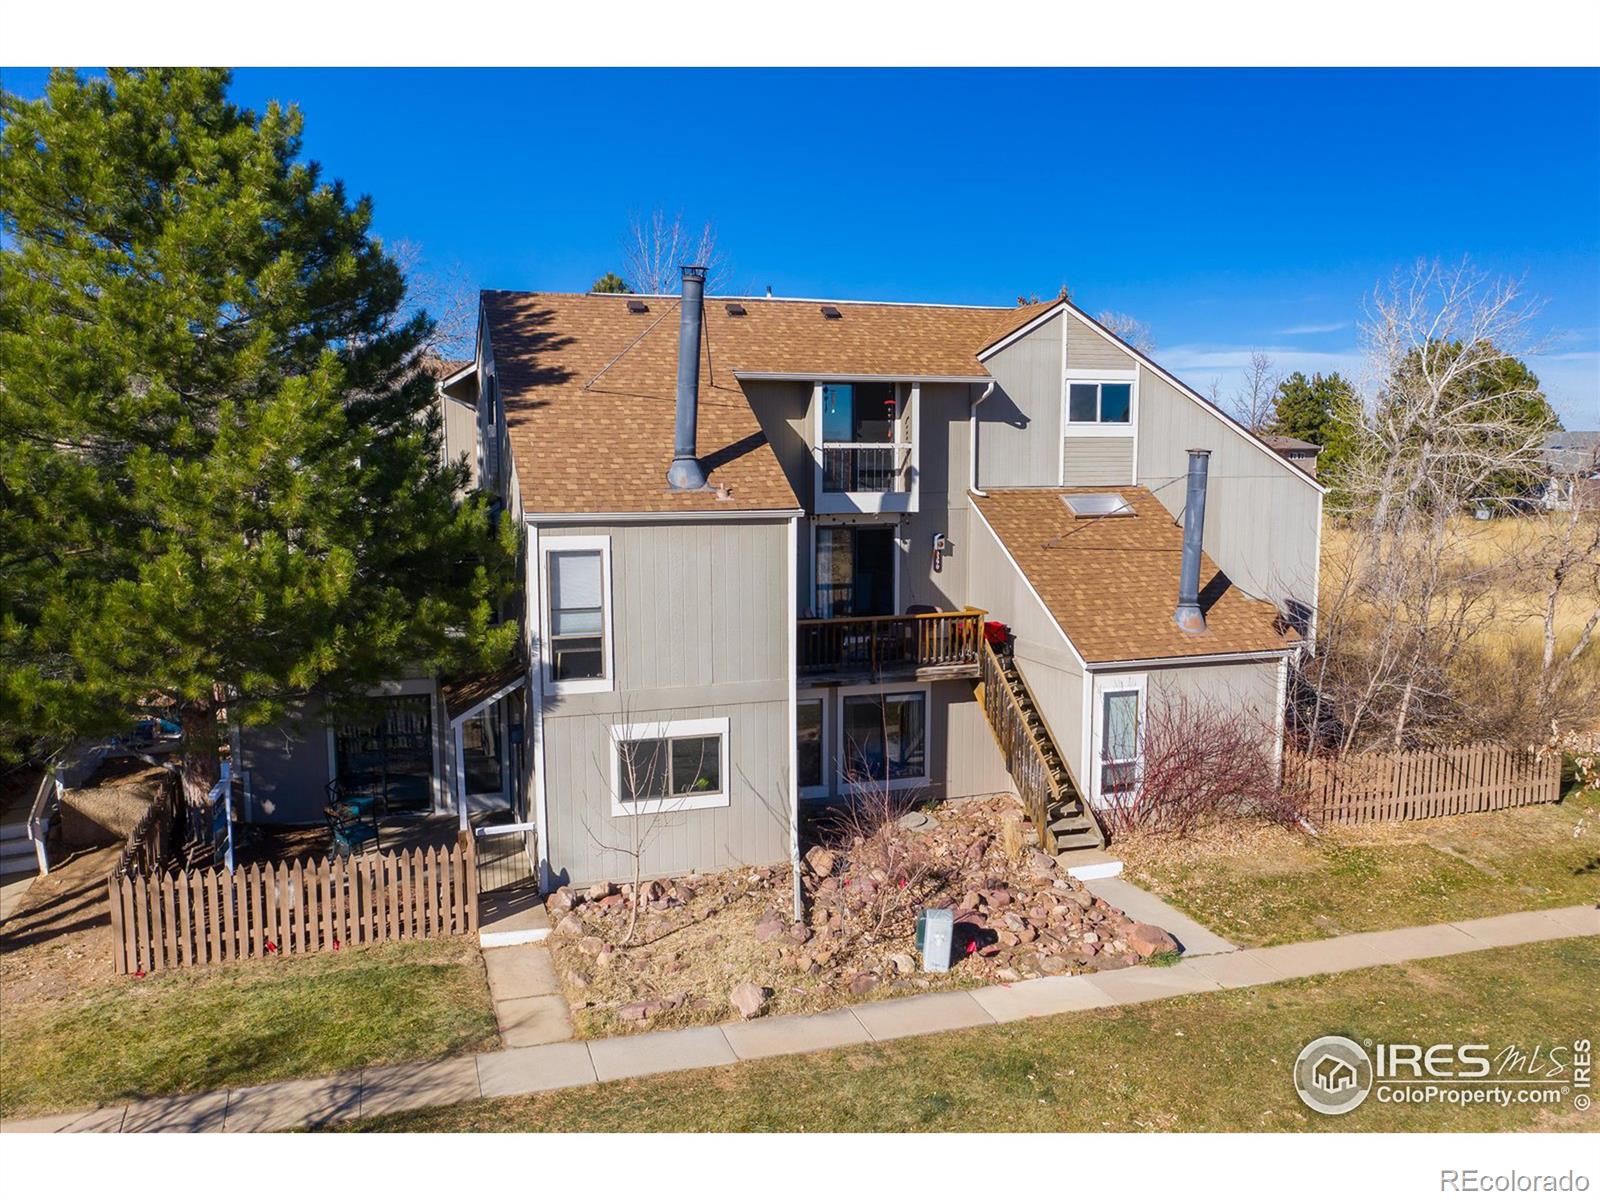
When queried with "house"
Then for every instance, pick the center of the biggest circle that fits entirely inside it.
(1572, 465)
(1297, 450)
(1333, 1074)
(763, 537)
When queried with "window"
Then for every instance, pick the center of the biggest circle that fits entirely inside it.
(855, 570)
(668, 766)
(483, 752)
(884, 736)
(577, 585)
(388, 755)
(1118, 733)
(1099, 403)
(810, 756)
(866, 435)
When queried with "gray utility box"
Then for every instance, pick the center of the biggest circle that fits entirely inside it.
(935, 931)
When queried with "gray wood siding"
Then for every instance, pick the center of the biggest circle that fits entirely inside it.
(942, 505)
(288, 768)
(781, 408)
(1262, 516)
(1249, 687)
(586, 841)
(694, 604)
(700, 628)
(1092, 461)
(1019, 436)
(1042, 654)
(1088, 350)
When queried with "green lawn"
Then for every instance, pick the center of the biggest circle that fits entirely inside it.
(1220, 1061)
(194, 1030)
(1263, 885)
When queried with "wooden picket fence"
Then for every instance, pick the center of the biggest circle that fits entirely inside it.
(163, 920)
(1414, 784)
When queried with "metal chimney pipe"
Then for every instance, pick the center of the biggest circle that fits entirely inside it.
(686, 474)
(1188, 615)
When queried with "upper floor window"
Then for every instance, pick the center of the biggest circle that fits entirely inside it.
(866, 437)
(1099, 403)
(577, 588)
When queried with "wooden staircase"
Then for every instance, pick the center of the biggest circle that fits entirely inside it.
(1054, 802)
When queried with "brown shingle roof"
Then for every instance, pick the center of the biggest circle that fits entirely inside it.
(589, 388)
(1112, 582)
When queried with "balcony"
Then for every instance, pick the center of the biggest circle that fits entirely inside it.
(940, 645)
(866, 467)
(864, 438)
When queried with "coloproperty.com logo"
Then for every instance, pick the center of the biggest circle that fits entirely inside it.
(1335, 1075)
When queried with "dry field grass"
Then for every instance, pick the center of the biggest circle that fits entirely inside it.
(1517, 595)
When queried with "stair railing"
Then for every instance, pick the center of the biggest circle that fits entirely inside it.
(1027, 754)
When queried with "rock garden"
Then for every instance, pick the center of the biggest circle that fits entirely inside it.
(703, 949)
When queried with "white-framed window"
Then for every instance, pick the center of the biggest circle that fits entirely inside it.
(883, 737)
(1100, 403)
(812, 762)
(1119, 715)
(575, 580)
(669, 766)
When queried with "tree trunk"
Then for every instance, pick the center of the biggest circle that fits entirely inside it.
(201, 767)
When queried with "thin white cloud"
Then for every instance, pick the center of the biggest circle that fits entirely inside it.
(1296, 330)
(1570, 379)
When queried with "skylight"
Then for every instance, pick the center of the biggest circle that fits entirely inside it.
(1098, 504)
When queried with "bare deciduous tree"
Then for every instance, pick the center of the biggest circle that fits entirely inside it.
(1130, 329)
(652, 784)
(447, 295)
(1253, 402)
(657, 246)
(1408, 597)
(1571, 560)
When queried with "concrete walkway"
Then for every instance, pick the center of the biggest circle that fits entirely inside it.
(528, 1005)
(524, 1070)
(1192, 937)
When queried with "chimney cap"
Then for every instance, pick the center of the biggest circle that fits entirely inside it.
(694, 272)
(1202, 453)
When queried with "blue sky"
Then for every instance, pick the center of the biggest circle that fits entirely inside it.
(1230, 210)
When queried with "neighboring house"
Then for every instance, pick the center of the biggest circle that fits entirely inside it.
(1572, 460)
(703, 660)
(1301, 453)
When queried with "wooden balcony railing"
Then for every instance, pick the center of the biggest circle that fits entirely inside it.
(899, 643)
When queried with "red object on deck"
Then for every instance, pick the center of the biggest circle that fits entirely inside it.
(996, 633)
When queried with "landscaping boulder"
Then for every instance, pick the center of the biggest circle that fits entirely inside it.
(903, 964)
(570, 926)
(821, 861)
(1145, 940)
(600, 891)
(863, 983)
(770, 927)
(749, 998)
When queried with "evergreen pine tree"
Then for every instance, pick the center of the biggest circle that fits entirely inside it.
(220, 458)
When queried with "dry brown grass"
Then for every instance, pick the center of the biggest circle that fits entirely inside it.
(1258, 884)
(1502, 661)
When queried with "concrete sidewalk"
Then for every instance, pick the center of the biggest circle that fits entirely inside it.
(524, 1070)
(1191, 936)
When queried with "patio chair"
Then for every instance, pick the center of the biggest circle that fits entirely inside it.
(350, 829)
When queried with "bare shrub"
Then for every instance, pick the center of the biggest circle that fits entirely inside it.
(888, 873)
(1201, 763)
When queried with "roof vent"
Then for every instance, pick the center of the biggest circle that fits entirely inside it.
(736, 310)
(831, 312)
(1098, 504)
(638, 306)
